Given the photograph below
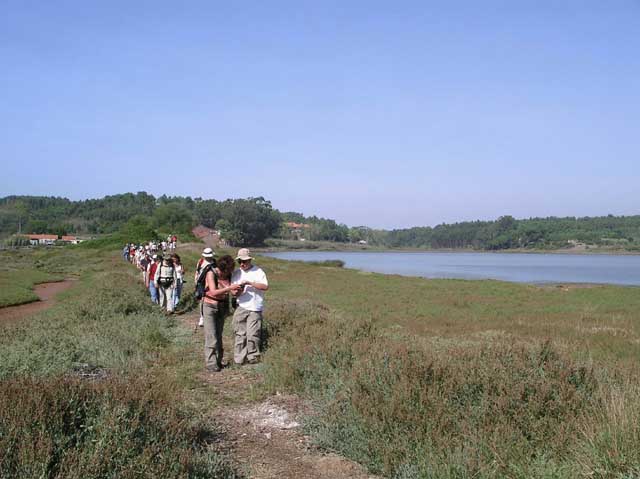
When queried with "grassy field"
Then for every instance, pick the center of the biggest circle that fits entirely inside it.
(413, 378)
(599, 322)
(19, 273)
(421, 378)
(96, 386)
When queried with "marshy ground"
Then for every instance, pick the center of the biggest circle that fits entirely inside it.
(407, 379)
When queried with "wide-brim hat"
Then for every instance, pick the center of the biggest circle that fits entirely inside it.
(244, 254)
(208, 253)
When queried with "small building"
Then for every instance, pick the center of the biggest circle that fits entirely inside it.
(70, 239)
(42, 239)
(297, 226)
(297, 230)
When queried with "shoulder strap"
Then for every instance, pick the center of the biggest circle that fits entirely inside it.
(203, 274)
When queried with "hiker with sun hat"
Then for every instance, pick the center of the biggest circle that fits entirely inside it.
(207, 255)
(247, 318)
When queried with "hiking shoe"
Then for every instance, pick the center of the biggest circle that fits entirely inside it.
(201, 322)
(213, 369)
(253, 361)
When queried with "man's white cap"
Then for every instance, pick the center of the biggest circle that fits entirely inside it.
(244, 254)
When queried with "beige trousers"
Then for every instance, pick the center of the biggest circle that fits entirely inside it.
(213, 326)
(166, 297)
(247, 326)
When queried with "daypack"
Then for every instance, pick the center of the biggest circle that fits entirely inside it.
(165, 281)
(201, 283)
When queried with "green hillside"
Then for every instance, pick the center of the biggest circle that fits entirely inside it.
(250, 221)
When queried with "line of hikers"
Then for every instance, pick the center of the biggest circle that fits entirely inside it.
(220, 289)
(162, 275)
(130, 249)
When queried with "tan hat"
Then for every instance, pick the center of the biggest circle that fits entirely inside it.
(208, 253)
(244, 254)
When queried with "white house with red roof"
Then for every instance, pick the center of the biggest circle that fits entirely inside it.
(42, 239)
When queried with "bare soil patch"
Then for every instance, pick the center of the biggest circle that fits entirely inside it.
(45, 291)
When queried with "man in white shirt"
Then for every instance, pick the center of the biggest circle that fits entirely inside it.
(247, 319)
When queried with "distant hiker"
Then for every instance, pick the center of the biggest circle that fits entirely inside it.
(177, 291)
(144, 264)
(215, 308)
(165, 280)
(206, 254)
(151, 272)
(247, 318)
(125, 252)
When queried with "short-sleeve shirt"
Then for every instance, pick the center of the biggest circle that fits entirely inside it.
(251, 299)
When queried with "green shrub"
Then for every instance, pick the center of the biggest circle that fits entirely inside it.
(115, 428)
(332, 263)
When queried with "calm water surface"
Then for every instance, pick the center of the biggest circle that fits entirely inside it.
(521, 268)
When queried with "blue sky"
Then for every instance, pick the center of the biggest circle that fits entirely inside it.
(386, 114)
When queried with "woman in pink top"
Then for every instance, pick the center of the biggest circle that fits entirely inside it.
(215, 309)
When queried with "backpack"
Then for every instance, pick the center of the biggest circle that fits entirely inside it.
(165, 281)
(201, 283)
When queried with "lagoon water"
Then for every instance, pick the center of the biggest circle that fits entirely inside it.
(521, 268)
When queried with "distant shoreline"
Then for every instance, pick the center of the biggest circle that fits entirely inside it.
(374, 249)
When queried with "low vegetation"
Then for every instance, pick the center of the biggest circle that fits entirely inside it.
(485, 410)
(93, 387)
(413, 378)
(421, 378)
(21, 270)
(16, 287)
(115, 427)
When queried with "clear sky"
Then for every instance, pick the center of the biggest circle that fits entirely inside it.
(386, 114)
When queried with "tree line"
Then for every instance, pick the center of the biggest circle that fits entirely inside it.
(509, 233)
(250, 221)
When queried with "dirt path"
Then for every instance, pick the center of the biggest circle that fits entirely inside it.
(265, 436)
(45, 291)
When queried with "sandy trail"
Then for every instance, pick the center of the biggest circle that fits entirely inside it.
(45, 291)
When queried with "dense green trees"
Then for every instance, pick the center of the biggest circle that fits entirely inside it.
(242, 221)
(252, 220)
(248, 221)
(507, 232)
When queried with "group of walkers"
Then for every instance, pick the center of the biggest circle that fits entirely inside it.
(221, 289)
(224, 288)
(152, 247)
(163, 275)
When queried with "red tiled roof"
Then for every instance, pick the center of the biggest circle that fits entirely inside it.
(69, 238)
(39, 237)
